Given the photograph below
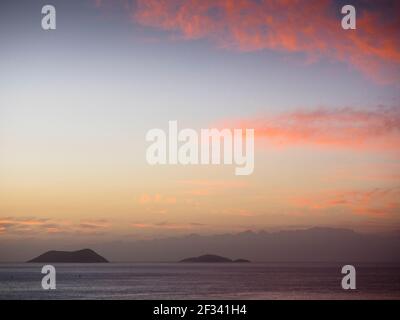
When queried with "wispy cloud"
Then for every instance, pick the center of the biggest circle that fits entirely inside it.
(377, 202)
(167, 225)
(351, 128)
(310, 27)
(43, 226)
(156, 198)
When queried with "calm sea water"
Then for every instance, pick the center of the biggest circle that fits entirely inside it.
(199, 281)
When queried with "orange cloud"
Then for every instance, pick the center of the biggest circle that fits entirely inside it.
(235, 212)
(311, 27)
(374, 129)
(42, 226)
(166, 225)
(376, 202)
(157, 198)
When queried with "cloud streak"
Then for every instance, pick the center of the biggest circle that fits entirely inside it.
(378, 202)
(349, 128)
(11, 226)
(167, 226)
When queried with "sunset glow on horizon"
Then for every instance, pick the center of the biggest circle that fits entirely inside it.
(76, 104)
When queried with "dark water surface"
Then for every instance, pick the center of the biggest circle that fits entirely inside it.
(200, 281)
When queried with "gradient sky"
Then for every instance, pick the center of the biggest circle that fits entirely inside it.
(76, 103)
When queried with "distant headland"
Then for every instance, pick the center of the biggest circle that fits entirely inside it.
(213, 258)
(80, 256)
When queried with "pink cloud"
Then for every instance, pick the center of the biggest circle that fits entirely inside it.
(310, 27)
(376, 202)
(166, 225)
(349, 128)
(12, 226)
(156, 198)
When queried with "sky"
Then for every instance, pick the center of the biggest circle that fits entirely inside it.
(76, 103)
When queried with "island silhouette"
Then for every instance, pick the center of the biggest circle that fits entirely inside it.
(297, 245)
(213, 258)
(80, 256)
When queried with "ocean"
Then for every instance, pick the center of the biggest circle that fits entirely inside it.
(200, 281)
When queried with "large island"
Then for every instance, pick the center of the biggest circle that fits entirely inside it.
(80, 256)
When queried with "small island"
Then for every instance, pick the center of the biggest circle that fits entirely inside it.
(80, 256)
(214, 259)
